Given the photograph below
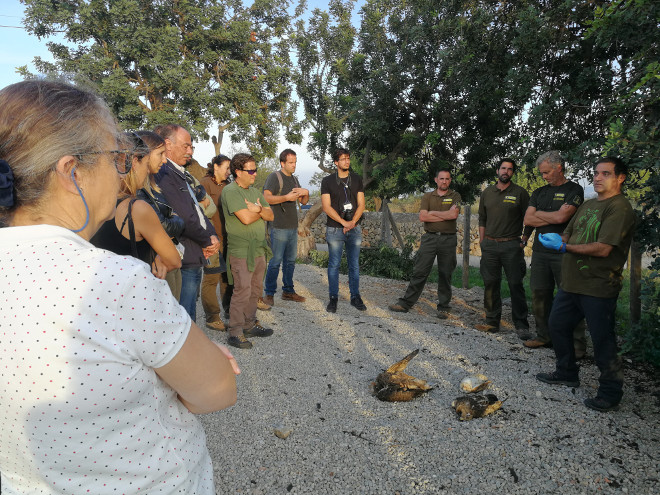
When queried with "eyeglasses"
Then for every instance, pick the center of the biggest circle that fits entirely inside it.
(121, 158)
(251, 172)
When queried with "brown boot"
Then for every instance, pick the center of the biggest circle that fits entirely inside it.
(536, 343)
(292, 296)
(265, 303)
(216, 325)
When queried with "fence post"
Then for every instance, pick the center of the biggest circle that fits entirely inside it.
(466, 245)
(635, 266)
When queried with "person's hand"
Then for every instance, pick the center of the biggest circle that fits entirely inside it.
(348, 225)
(158, 268)
(254, 207)
(553, 241)
(230, 356)
(293, 195)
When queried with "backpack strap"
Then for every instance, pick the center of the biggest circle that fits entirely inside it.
(131, 227)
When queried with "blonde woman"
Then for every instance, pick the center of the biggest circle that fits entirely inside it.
(136, 229)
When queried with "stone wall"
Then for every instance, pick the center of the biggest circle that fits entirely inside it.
(408, 225)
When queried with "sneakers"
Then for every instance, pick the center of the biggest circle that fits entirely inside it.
(258, 331)
(216, 325)
(290, 296)
(554, 379)
(357, 303)
(239, 341)
(332, 305)
(523, 333)
(397, 308)
(443, 314)
(536, 343)
(263, 305)
(601, 405)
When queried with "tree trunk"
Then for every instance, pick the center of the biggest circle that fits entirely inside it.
(635, 266)
(385, 232)
(395, 228)
(466, 246)
(306, 240)
(217, 142)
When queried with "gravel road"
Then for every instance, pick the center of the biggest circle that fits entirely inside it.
(313, 377)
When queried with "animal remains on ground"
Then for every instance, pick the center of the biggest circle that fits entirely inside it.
(474, 383)
(475, 406)
(393, 385)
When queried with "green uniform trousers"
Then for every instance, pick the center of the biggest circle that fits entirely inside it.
(545, 275)
(508, 255)
(442, 247)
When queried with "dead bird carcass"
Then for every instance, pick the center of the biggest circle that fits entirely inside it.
(474, 383)
(475, 406)
(393, 385)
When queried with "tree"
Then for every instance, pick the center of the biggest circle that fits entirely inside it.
(198, 63)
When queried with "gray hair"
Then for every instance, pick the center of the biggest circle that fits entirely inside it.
(42, 121)
(553, 157)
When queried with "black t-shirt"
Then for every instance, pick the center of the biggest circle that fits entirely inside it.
(551, 198)
(342, 191)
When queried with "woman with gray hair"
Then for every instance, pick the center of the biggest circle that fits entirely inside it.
(102, 370)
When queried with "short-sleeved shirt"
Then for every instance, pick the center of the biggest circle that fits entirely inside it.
(610, 221)
(239, 235)
(432, 201)
(82, 407)
(286, 213)
(502, 212)
(551, 198)
(342, 191)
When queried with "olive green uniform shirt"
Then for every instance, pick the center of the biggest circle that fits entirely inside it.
(502, 212)
(432, 201)
(610, 221)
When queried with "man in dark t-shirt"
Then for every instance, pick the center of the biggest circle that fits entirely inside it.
(282, 191)
(502, 207)
(438, 212)
(550, 209)
(596, 242)
(342, 197)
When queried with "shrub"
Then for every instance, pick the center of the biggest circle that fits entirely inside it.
(643, 339)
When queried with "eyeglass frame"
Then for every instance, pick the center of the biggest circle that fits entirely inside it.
(251, 171)
(128, 161)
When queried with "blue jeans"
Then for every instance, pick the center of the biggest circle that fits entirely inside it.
(568, 309)
(284, 244)
(191, 278)
(336, 240)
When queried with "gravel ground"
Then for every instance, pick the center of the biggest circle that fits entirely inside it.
(313, 377)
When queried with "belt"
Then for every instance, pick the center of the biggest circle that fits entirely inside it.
(441, 233)
(502, 239)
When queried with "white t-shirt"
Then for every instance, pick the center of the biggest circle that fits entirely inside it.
(81, 408)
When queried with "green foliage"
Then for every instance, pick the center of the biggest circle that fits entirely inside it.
(643, 339)
(195, 62)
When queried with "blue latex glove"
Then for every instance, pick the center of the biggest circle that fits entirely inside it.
(553, 241)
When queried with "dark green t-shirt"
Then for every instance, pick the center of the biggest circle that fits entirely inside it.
(239, 235)
(551, 198)
(611, 221)
(433, 202)
(502, 212)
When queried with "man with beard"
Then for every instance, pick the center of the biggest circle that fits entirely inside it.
(502, 208)
(199, 237)
(438, 212)
(342, 197)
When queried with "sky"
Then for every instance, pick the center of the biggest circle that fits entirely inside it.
(18, 48)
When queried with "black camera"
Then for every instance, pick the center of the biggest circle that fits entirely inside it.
(200, 193)
(346, 214)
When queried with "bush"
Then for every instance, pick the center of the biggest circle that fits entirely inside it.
(643, 339)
